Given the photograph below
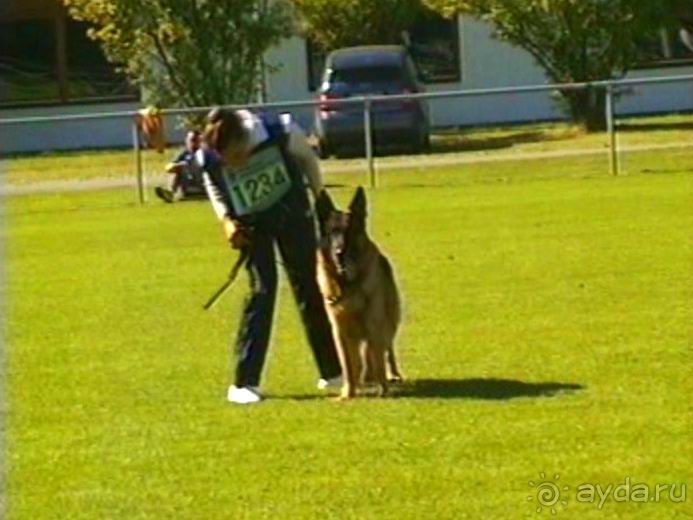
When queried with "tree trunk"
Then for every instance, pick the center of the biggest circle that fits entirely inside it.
(588, 108)
(60, 22)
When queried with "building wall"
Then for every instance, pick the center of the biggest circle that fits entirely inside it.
(490, 63)
(290, 81)
(36, 137)
(72, 135)
(64, 135)
(672, 97)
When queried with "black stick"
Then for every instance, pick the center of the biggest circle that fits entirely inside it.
(245, 253)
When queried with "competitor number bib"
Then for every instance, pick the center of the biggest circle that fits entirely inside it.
(258, 185)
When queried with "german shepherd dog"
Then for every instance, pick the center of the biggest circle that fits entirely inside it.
(358, 285)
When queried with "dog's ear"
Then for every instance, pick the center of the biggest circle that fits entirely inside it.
(324, 206)
(357, 207)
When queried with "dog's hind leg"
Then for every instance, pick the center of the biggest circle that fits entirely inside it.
(376, 360)
(385, 342)
(393, 373)
(366, 372)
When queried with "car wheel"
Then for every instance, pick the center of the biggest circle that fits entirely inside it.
(427, 141)
(324, 150)
(420, 141)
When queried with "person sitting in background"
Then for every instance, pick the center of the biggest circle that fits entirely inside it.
(185, 174)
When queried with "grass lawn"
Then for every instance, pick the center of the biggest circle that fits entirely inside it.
(547, 329)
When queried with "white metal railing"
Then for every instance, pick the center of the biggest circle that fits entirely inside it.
(611, 87)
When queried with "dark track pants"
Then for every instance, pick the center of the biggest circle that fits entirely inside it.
(297, 245)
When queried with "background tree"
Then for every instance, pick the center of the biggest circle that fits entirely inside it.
(332, 24)
(188, 52)
(574, 40)
(684, 14)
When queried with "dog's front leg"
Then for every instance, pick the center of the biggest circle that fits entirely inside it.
(349, 356)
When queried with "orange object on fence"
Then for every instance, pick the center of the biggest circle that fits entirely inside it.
(151, 124)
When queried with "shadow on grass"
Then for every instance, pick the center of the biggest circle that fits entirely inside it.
(665, 171)
(470, 143)
(642, 127)
(490, 389)
(487, 389)
(464, 142)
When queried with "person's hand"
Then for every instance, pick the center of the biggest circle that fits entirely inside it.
(240, 238)
(236, 233)
(176, 167)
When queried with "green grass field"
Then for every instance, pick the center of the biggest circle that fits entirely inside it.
(547, 329)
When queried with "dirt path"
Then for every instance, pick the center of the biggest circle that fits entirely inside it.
(399, 163)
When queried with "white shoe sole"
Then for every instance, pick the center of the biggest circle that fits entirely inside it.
(244, 395)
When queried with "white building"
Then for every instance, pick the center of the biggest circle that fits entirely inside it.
(461, 54)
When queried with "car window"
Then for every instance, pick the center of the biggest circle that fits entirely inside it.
(361, 75)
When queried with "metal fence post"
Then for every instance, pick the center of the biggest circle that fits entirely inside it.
(138, 163)
(368, 130)
(611, 128)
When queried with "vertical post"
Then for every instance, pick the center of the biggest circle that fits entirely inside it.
(3, 351)
(60, 23)
(138, 162)
(611, 128)
(368, 130)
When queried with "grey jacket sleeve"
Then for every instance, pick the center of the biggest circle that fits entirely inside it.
(304, 155)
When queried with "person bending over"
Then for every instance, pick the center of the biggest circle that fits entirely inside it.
(255, 169)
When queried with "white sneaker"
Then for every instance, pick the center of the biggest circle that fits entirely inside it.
(326, 384)
(243, 395)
